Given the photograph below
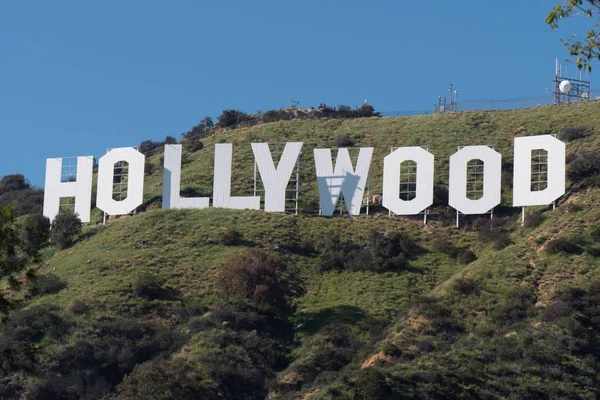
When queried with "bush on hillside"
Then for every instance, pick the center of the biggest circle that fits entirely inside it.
(111, 348)
(513, 305)
(165, 380)
(585, 165)
(149, 287)
(466, 287)
(65, 227)
(344, 141)
(194, 145)
(573, 133)
(20, 333)
(593, 233)
(13, 183)
(276, 115)
(231, 118)
(330, 350)
(441, 244)
(379, 252)
(34, 232)
(467, 257)
(47, 284)
(569, 245)
(170, 140)
(495, 231)
(230, 237)
(334, 252)
(14, 189)
(259, 277)
(534, 218)
(148, 146)
(199, 131)
(148, 168)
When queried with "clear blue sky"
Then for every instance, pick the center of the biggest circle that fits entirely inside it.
(79, 77)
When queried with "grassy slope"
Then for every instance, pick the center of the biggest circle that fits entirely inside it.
(183, 247)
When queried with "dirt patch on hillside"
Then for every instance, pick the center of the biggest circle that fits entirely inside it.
(546, 288)
(373, 359)
(307, 396)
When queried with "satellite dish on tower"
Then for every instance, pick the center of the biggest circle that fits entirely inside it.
(565, 86)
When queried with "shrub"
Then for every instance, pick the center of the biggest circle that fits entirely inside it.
(593, 233)
(391, 251)
(573, 133)
(170, 140)
(47, 284)
(230, 237)
(556, 311)
(585, 165)
(14, 189)
(534, 218)
(514, 306)
(330, 350)
(372, 384)
(465, 287)
(148, 145)
(65, 227)
(344, 141)
(334, 252)
(51, 389)
(276, 115)
(165, 379)
(565, 245)
(148, 168)
(195, 145)
(33, 324)
(443, 245)
(199, 131)
(79, 307)
(497, 233)
(34, 232)
(230, 118)
(379, 252)
(467, 257)
(148, 287)
(259, 277)
(110, 349)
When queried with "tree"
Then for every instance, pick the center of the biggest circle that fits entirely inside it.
(587, 49)
(15, 254)
(261, 278)
(207, 122)
(65, 227)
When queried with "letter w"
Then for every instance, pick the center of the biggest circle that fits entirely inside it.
(344, 180)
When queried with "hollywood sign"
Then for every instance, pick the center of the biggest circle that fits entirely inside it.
(343, 179)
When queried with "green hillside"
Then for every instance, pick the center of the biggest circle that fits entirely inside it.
(394, 309)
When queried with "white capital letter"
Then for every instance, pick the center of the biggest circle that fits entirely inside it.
(275, 180)
(522, 193)
(345, 180)
(424, 180)
(172, 182)
(222, 182)
(81, 189)
(135, 181)
(492, 169)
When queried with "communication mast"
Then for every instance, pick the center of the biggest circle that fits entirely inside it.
(569, 90)
(443, 106)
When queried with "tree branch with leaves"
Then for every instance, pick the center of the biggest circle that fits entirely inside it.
(585, 49)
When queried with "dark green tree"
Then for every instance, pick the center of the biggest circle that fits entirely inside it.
(65, 227)
(585, 49)
(16, 253)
